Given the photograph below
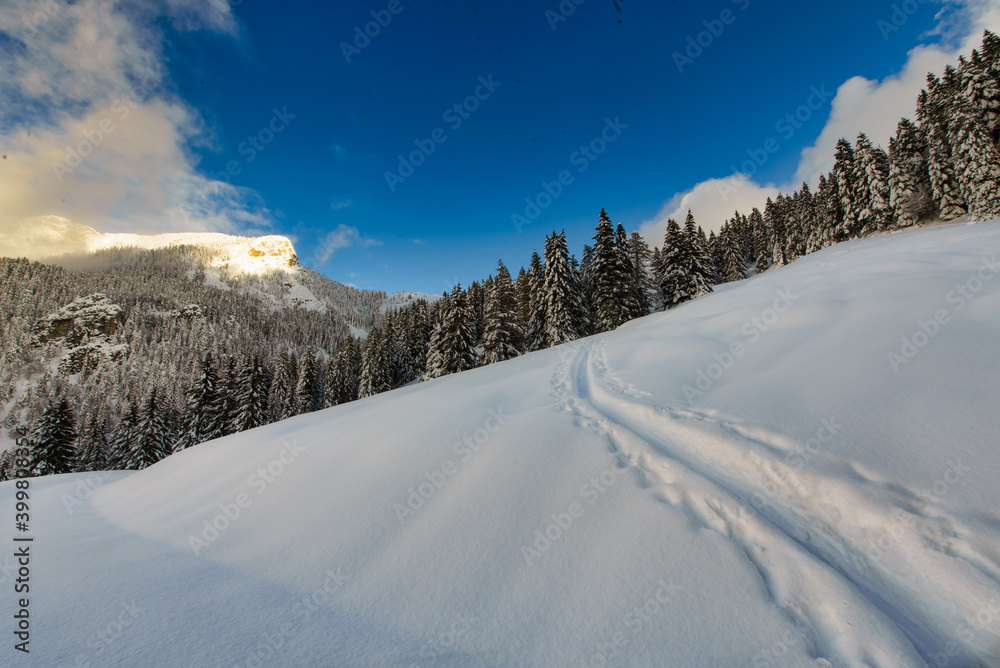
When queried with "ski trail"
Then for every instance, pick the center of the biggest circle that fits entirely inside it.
(807, 533)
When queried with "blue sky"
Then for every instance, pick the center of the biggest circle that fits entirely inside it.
(321, 178)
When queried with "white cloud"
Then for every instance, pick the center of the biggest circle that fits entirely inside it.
(344, 236)
(91, 129)
(860, 105)
(712, 202)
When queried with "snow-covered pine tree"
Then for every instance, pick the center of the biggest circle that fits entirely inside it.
(631, 289)
(843, 176)
(933, 121)
(535, 333)
(282, 400)
(254, 385)
(53, 440)
(826, 208)
(641, 257)
(523, 288)
(503, 335)
(434, 367)
(608, 276)
(732, 267)
(229, 396)
(761, 240)
(700, 269)
(871, 180)
(910, 192)
(565, 314)
(774, 221)
(152, 441)
(124, 436)
(309, 386)
(457, 334)
(977, 162)
(202, 419)
(92, 446)
(674, 279)
(982, 90)
(343, 386)
(374, 374)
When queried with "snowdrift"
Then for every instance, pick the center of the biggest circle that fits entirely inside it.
(801, 469)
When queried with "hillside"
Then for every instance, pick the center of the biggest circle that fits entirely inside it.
(797, 470)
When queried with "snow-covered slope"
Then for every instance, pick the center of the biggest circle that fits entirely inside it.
(799, 470)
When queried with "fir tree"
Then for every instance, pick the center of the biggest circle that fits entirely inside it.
(733, 266)
(565, 315)
(124, 437)
(871, 179)
(53, 439)
(204, 412)
(700, 267)
(641, 258)
(910, 192)
(374, 374)
(982, 91)
(309, 386)
(503, 335)
(944, 183)
(610, 279)
(152, 441)
(282, 400)
(844, 179)
(92, 447)
(673, 272)
(535, 334)
(977, 162)
(254, 385)
(343, 387)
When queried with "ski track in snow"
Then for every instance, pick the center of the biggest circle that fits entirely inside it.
(811, 536)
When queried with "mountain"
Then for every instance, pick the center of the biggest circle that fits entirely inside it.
(799, 469)
(106, 319)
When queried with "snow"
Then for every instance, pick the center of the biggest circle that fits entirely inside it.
(653, 496)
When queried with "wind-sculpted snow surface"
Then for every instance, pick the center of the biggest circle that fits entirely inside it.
(797, 470)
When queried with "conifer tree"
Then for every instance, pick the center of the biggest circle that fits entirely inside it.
(910, 192)
(871, 179)
(611, 287)
(761, 237)
(774, 221)
(309, 386)
(203, 415)
(977, 162)
(641, 257)
(733, 267)
(283, 401)
(700, 267)
(535, 334)
(944, 183)
(844, 179)
(92, 446)
(523, 287)
(343, 387)
(982, 90)
(457, 334)
(254, 385)
(124, 437)
(151, 442)
(503, 335)
(53, 440)
(374, 374)
(673, 272)
(565, 315)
